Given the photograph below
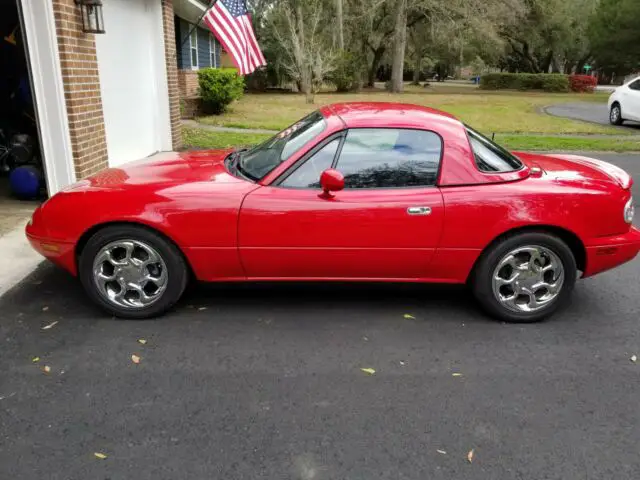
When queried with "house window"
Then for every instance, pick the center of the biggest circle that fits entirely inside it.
(193, 40)
(212, 51)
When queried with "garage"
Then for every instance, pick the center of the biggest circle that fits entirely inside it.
(84, 85)
(21, 169)
(27, 172)
(133, 80)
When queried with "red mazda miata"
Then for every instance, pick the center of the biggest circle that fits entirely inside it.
(353, 191)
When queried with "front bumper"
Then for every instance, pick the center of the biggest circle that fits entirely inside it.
(59, 252)
(610, 252)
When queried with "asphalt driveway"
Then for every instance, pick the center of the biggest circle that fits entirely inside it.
(265, 382)
(587, 112)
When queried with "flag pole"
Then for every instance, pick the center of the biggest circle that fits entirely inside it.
(211, 4)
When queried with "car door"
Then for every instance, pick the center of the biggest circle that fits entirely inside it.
(385, 224)
(631, 108)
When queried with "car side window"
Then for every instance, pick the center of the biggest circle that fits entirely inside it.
(308, 174)
(635, 85)
(390, 158)
(489, 156)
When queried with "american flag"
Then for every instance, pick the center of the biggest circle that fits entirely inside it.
(230, 22)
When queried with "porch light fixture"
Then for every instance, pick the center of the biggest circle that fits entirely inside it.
(92, 19)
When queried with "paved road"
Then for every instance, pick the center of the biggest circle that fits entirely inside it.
(588, 112)
(264, 382)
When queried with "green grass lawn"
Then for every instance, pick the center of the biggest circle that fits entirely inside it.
(489, 112)
(542, 143)
(199, 138)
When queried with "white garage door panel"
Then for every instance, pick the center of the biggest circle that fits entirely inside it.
(133, 80)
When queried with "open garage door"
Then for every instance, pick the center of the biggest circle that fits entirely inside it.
(133, 80)
(35, 151)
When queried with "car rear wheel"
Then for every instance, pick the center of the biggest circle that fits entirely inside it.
(615, 114)
(525, 277)
(132, 272)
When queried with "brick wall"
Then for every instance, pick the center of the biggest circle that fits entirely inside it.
(192, 107)
(79, 64)
(226, 61)
(188, 82)
(172, 72)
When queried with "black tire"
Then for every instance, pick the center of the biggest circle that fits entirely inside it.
(177, 270)
(615, 118)
(482, 276)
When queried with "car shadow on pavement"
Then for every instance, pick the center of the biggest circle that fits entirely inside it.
(50, 293)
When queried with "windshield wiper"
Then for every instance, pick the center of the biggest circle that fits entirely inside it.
(234, 160)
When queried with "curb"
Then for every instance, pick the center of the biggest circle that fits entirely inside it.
(18, 259)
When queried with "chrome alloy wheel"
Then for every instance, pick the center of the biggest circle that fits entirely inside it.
(130, 274)
(614, 114)
(528, 278)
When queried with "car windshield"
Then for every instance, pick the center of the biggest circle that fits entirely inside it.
(489, 156)
(260, 160)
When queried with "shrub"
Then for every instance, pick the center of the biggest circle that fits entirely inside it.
(549, 82)
(219, 87)
(346, 72)
(582, 83)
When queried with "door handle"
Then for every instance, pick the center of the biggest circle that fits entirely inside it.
(419, 210)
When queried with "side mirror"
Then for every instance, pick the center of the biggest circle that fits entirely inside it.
(331, 181)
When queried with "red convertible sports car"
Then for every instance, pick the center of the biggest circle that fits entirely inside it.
(353, 191)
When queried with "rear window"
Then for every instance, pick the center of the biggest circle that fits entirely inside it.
(489, 156)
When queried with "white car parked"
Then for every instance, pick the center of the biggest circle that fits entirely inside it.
(624, 103)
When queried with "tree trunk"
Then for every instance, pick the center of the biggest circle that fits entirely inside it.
(399, 44)
(375, 63)
(416, 69)
(461, 58)
(339, 19)
(546, 66)
(305, 68)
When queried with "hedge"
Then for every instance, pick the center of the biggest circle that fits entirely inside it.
(549, 82)
(583, 83)
(219, 87)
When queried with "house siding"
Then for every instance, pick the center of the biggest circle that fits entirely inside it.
(204, 59)
(183, 47)
(218, 53)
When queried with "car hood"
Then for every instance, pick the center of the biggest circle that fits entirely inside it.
(164, 169)
(577, 168)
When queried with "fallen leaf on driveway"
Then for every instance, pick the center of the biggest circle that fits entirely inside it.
(470, 456)
(46, 369)
(456, 374)
(142, 341)
(44, 309)
(368, 371)
(135, 359)
(51, 325)
(408, 316)
(634, 358)
(99, 455)
(35, 359)
(202, 308)
(441, 451)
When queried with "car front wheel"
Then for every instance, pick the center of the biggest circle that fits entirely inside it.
(132, 272)
(615, 114)
(525, 277)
